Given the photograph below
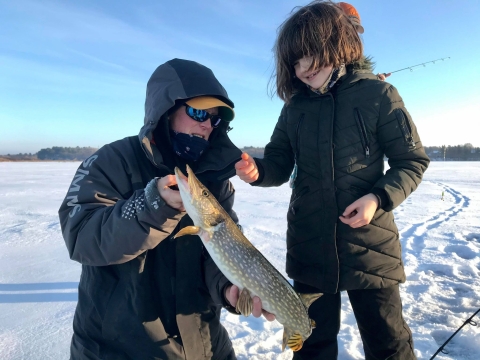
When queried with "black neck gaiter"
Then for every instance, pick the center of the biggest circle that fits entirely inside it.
(187, 146)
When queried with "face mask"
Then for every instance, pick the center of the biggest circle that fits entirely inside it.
(187, 146)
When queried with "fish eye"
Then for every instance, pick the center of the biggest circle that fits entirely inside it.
(205, 193)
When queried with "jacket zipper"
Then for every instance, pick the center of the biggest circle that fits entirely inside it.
(363, 132)
(300, 120)
(405, 126)
(293, 176)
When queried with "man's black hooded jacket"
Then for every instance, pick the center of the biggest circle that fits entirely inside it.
(143, 295)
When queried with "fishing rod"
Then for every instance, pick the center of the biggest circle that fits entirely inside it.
(413, 66)
(468, 321)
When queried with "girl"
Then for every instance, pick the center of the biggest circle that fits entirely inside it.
(338, 123)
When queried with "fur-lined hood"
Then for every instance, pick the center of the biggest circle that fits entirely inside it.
(365, 63)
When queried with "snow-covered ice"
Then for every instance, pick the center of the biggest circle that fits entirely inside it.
(441, 249)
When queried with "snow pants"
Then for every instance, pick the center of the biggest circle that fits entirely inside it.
(385, 334)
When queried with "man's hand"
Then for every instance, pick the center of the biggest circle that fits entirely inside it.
(232, 292)
(171, 197)
(247, 169)
(360, 212)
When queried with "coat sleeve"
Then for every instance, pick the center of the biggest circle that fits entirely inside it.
(401, 143)
(104, 221)
(278, 161)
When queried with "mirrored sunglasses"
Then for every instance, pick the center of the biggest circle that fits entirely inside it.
(202, 116)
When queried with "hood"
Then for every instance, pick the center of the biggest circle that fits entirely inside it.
(176, 80)
(366, 63)
(362, 69)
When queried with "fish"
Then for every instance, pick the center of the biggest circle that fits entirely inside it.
(243, 264)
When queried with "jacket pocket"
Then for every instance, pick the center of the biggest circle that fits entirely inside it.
(296, 196)
(363, 132)
(405, 127)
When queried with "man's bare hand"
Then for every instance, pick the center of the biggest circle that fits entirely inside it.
(247, 169)
(232, 294)
(170, 196)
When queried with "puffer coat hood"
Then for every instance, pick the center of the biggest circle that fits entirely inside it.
(180, 80)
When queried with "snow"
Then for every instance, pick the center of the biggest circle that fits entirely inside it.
(440, 240)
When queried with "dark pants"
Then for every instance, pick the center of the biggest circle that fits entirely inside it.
(378, 312)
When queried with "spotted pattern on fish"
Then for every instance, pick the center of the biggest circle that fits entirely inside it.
(242, 263)
(245, 267)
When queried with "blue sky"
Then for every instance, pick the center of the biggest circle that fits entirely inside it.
(73, 73)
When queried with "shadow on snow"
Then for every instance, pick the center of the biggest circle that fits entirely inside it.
(38, 292)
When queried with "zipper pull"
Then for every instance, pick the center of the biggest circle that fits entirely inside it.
(367, 151)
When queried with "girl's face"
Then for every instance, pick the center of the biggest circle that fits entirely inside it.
(313, 78)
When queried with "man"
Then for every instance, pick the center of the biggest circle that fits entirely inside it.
(142, 294)
(354, 18)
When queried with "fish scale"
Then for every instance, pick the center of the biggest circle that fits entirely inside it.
(257, 275)
(242, 264)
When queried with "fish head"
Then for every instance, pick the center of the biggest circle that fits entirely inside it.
(200, 204)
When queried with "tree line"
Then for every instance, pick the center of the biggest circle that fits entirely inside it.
(66, 153)
(466, 152)
(56, 153)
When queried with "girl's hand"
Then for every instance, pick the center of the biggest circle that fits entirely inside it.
(247, 169)
(232, 293)
(383, 76)
(360, 212)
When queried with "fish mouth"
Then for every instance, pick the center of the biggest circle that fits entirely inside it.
(182, 181)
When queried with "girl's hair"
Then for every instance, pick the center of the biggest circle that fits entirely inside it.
(321, 30)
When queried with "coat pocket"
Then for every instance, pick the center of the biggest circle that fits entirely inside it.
(295, 197)
(406, 127)
(363, 132)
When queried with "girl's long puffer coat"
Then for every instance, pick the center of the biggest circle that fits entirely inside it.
(338, 141)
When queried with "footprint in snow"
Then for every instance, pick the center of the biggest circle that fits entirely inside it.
(462, 251)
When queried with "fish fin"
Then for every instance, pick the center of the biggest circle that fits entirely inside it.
(313, 324)
(194, 230)
(244, 303)
(189, 230)
(291, 339)
(284, 338)
(308, 299)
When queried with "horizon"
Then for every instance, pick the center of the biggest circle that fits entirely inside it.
(240, 147)
(76, 72)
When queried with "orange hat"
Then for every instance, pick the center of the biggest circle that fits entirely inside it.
(353, 15)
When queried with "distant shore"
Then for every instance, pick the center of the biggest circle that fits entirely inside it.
(3, 159)
(466, 152)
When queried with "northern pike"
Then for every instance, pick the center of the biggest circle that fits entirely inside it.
(242, 264)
